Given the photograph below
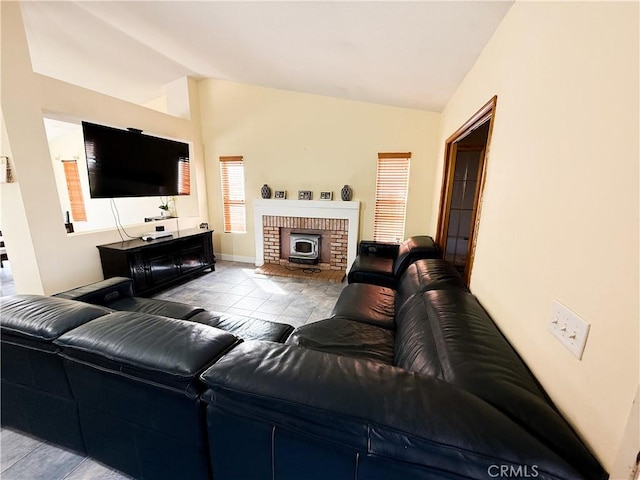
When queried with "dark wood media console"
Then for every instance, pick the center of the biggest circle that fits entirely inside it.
(157, 264)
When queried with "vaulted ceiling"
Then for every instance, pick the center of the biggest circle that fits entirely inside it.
(407, 54)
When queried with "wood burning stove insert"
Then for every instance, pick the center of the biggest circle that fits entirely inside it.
(304, 248)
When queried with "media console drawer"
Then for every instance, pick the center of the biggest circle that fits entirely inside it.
(156, 264)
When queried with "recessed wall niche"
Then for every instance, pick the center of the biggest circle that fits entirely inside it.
(66, 145)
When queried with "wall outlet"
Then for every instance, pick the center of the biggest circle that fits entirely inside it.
(569, 328)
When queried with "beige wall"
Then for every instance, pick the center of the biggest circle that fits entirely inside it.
(66, 261)
(560, 215)
(294, 141)
(13, 221)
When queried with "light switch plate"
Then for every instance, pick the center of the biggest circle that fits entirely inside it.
(569, 329)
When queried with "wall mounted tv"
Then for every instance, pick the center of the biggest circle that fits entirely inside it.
(127, 163)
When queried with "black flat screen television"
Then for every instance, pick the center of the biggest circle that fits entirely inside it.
(127, 163)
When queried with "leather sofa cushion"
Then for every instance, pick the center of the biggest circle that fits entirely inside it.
(342, 336)
(163, 350)
(367, 303)
(415, 347)
(473, 352)
(412, 249)
(382, 411)
(40, 318)
(102, 292)
(475, 356)
(152, 306)
(245, 328)
(427, 274)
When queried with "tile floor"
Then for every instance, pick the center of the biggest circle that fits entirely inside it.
(233, 288)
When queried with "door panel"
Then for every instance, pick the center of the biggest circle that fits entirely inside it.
(464, 190)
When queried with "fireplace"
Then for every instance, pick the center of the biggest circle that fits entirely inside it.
(304, 248)
(336, 222)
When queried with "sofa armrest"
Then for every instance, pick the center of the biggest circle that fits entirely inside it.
(377, 411)
(103, 292)
(378, 249)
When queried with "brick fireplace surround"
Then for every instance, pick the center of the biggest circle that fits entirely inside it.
(339, 220)
(336, 230)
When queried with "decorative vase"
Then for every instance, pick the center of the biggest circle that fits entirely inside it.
(346, 193)
(265, 191)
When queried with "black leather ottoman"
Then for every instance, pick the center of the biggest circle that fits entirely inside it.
(245, 328)
(36, 396)
(153, 306)
(386, 272)
(116, 293)
(135, 377)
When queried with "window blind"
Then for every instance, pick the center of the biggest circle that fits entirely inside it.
(392, 183)
(184, 176)
(71, 175)
(233, 201)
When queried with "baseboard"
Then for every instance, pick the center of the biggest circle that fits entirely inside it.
(236, 258)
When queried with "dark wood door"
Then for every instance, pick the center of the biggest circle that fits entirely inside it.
(466, 152)
(462, 205)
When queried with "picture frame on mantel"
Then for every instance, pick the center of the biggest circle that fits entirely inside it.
(305, 194)
(326, 195)
(282, 194)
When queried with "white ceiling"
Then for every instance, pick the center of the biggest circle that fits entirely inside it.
(408, 54)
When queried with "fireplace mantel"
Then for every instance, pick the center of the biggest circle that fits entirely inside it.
(310, 209)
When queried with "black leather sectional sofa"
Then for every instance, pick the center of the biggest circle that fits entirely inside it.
(409, 382)
(118, 377)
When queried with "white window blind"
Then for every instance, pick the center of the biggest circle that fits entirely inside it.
(76, 199)
(392, 184)
(184, 176)
(233, 202)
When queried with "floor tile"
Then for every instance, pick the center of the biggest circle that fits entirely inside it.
(274, 306)
(90, 469)
(271, 286)
(14, 447)
(264, 316)
(301, 311)
(44, 463)
(251, 281)
(259, 293)
(250, 303)
(217, 287)
(239, 311)
(240, 289)
(225, 299)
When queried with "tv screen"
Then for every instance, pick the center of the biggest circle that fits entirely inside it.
(127, 163)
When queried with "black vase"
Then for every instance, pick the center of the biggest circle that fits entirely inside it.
(346, 193)
(265, 191)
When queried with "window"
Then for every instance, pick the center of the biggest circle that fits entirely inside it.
(78, 212)
(232, 178)
(184, 176)
(392, 184)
